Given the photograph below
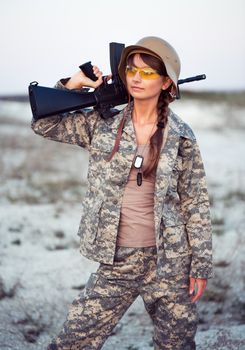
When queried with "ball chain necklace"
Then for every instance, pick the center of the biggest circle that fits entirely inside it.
(139, 159)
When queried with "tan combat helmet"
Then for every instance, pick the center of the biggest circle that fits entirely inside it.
(156, 47)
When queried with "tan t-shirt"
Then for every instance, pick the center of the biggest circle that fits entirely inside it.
(136, 227)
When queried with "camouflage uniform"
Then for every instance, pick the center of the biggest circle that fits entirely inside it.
(181, 203)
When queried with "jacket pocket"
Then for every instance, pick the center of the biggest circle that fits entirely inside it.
(174, 239)
(88, 228)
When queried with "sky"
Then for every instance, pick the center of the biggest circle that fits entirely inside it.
(45, 40)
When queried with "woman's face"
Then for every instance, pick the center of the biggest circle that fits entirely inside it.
(145, 89)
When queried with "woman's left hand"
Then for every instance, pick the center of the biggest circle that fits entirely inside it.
(197, 287)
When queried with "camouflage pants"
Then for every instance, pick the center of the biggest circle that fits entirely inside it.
(112, 289)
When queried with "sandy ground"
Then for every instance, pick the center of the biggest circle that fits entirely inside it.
(41, 269)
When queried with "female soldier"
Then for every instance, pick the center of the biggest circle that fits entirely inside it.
(146, 213)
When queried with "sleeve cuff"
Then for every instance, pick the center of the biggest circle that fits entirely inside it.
(61, 83)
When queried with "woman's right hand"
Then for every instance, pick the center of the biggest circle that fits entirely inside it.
(79, 80)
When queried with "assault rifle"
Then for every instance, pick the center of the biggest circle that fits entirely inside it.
(47, 101)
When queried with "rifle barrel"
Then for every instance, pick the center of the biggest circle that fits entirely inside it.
(188, 80)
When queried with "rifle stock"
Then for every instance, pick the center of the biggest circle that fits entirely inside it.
(47, 101)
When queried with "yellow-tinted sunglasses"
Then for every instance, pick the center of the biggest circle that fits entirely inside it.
(145, 73)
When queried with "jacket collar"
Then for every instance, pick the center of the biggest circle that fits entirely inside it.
(176, 125)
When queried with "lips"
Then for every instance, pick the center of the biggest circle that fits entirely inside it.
(136, 88)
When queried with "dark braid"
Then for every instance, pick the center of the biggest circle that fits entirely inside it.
(157, 138)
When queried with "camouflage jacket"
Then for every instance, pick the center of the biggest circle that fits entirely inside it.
(181, 203)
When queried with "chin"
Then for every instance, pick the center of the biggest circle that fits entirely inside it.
(140, 98)
(137, 94)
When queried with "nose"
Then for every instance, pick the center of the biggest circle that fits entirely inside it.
(137, 77)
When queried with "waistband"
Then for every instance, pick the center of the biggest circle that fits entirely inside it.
(135, 251)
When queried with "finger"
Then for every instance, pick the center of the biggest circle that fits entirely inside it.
(96, 70)
(192, 285)
(98, 82)
(196, 296)
(99, 74)
(201, 283)
(200, 289)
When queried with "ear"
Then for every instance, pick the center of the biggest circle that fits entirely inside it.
(167, 82)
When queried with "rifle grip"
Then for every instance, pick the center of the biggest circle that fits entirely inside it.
(87, 69)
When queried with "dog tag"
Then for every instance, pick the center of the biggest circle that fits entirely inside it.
(138, 162)
(139, 178)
